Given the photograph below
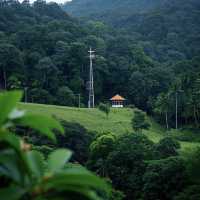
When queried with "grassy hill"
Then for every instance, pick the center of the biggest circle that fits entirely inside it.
(119, 120)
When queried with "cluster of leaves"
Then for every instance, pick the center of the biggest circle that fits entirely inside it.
(75, 137)
(144, 170)
(185, 91)
(26, 174)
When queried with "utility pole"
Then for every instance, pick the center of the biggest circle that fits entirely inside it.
(91, 81)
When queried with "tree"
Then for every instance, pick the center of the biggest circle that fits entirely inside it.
(164, 178)
(139, 121)
(65, 96)
(37, 95)
(126, 163)
(47, 70)
(104, 108)
(162, 106)
(76, 138)
(99, 150)
(10, 61)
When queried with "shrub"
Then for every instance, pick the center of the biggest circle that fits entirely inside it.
(139, 121)
(166, 147)
(104, 108)
(193, 165)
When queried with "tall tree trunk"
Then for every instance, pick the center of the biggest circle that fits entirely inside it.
(166, 120)
(195, 116)
(186, 120)
(197, 113)
(5, 79)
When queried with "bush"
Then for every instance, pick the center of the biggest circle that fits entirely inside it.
(185, 135)
(166, 147)
(104, 108)
(193, 165)
(139, 121)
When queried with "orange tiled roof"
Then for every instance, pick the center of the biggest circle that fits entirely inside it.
(117, 98)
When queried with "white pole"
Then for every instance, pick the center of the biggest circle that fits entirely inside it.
(91, 81)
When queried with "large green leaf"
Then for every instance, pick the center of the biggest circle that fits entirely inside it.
(45, 125)
(84, 191)
(11, 139)
(78, 177)
(58, 159)
(8, 101)
(35, 162)
(11, 193)
(9, 165)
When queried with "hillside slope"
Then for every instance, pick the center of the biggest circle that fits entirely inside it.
(119, 121)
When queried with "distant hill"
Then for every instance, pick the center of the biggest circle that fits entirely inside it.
(168, 29)
(99, 7)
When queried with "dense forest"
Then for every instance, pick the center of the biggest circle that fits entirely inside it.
(147, 51)
(150, 57)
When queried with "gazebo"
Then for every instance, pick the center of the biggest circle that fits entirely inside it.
(117, 101)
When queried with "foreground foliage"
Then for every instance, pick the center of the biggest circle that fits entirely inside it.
(26, 174)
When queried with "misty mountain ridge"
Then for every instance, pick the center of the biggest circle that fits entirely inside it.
(86, 8)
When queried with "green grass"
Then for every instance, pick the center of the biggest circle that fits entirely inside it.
(119, 120)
